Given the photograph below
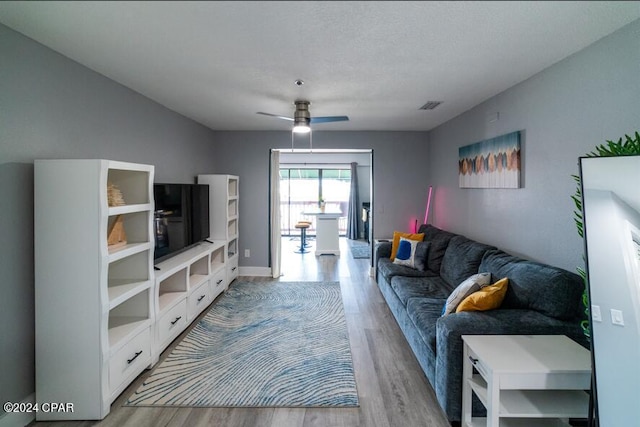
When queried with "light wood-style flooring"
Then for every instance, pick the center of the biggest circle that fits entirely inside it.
(392, 389)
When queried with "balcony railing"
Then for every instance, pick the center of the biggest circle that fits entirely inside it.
(291, 213)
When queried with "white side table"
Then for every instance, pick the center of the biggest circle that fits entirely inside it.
(525, 380)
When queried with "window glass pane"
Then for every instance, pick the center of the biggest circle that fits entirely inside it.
(336, 174)
(300, 191)
(304, 173)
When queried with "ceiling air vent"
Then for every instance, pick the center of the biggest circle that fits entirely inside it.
(430, 105)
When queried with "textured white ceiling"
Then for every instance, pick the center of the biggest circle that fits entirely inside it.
(377, 62)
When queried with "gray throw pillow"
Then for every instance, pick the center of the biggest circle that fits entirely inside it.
(420, 258)
(464, 289)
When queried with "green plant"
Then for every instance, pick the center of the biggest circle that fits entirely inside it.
(627, 147)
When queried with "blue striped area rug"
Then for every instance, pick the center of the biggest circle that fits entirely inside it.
(262, 344)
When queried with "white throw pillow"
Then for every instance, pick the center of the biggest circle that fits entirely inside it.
(406, 252)
(464, 289)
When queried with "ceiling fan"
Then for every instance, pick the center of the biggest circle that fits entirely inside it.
(302, 118)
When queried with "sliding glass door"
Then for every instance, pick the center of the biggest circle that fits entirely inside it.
(302, 188)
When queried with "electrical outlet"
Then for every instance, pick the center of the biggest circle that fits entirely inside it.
(616, 317)
(247, 253)
(595, 313)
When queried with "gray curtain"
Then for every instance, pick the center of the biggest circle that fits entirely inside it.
(276, 233)
(353, 217)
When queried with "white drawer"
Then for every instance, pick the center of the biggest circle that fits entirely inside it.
(479, 365)
(130, 360)
(218, 283)
(198, 300)
(172, 323)
(232, 269)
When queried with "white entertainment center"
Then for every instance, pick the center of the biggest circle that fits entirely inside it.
(103, 312)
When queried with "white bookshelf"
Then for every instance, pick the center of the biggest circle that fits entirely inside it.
(94, 309)
(224, 199)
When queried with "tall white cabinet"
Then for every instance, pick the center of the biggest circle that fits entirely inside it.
(94, 304)
(223, 209)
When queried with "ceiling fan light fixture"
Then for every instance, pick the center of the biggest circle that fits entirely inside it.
(301, 126)
(301, 129)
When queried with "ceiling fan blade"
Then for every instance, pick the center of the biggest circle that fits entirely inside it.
(275, 115)
(328, 119)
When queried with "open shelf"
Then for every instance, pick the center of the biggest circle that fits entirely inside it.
(198, 271)
(127, 277)
(232, 208)
(129, 318)
(166, 300)
(122, 329)
(121, 290)
(217, 260)
(133, 184)
(232, 228)
(116, 254)
(232, 248)
(534, 403)
(199, 266)
(171, 289)
(196, 280)
(136, 224)
(127, 209)
(233, 187)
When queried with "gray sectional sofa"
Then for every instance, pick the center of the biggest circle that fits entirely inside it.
(540, 300)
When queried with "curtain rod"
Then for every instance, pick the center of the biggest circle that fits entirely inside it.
(316, 164)
(323, 151)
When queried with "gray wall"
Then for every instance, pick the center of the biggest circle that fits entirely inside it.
(399, 179)
(52, 107)
(564, 112)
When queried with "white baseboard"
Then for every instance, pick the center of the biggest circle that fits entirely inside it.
(22, 419)
(255, 271)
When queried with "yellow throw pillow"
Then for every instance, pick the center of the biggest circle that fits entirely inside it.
(396, 241)
(486, 298)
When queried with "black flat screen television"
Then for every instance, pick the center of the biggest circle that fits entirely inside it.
(181, 217)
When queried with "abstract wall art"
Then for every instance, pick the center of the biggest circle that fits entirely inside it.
(492, 163)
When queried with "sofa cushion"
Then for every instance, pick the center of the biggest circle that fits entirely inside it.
(546, 289)
(438, 240)
(424, 313)
(488, 298)
(419, 287)
(462, 259)
(388, 270)
(464, 289)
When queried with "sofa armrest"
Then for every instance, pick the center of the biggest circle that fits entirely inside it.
(383, 250)
(449, 330)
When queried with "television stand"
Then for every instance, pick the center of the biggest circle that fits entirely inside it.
(188, 283)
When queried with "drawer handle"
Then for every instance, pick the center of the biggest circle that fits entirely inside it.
(201, 298)
(473, 361)
(176, 321)
(218, 282)
(233, 269)
(134, 357)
